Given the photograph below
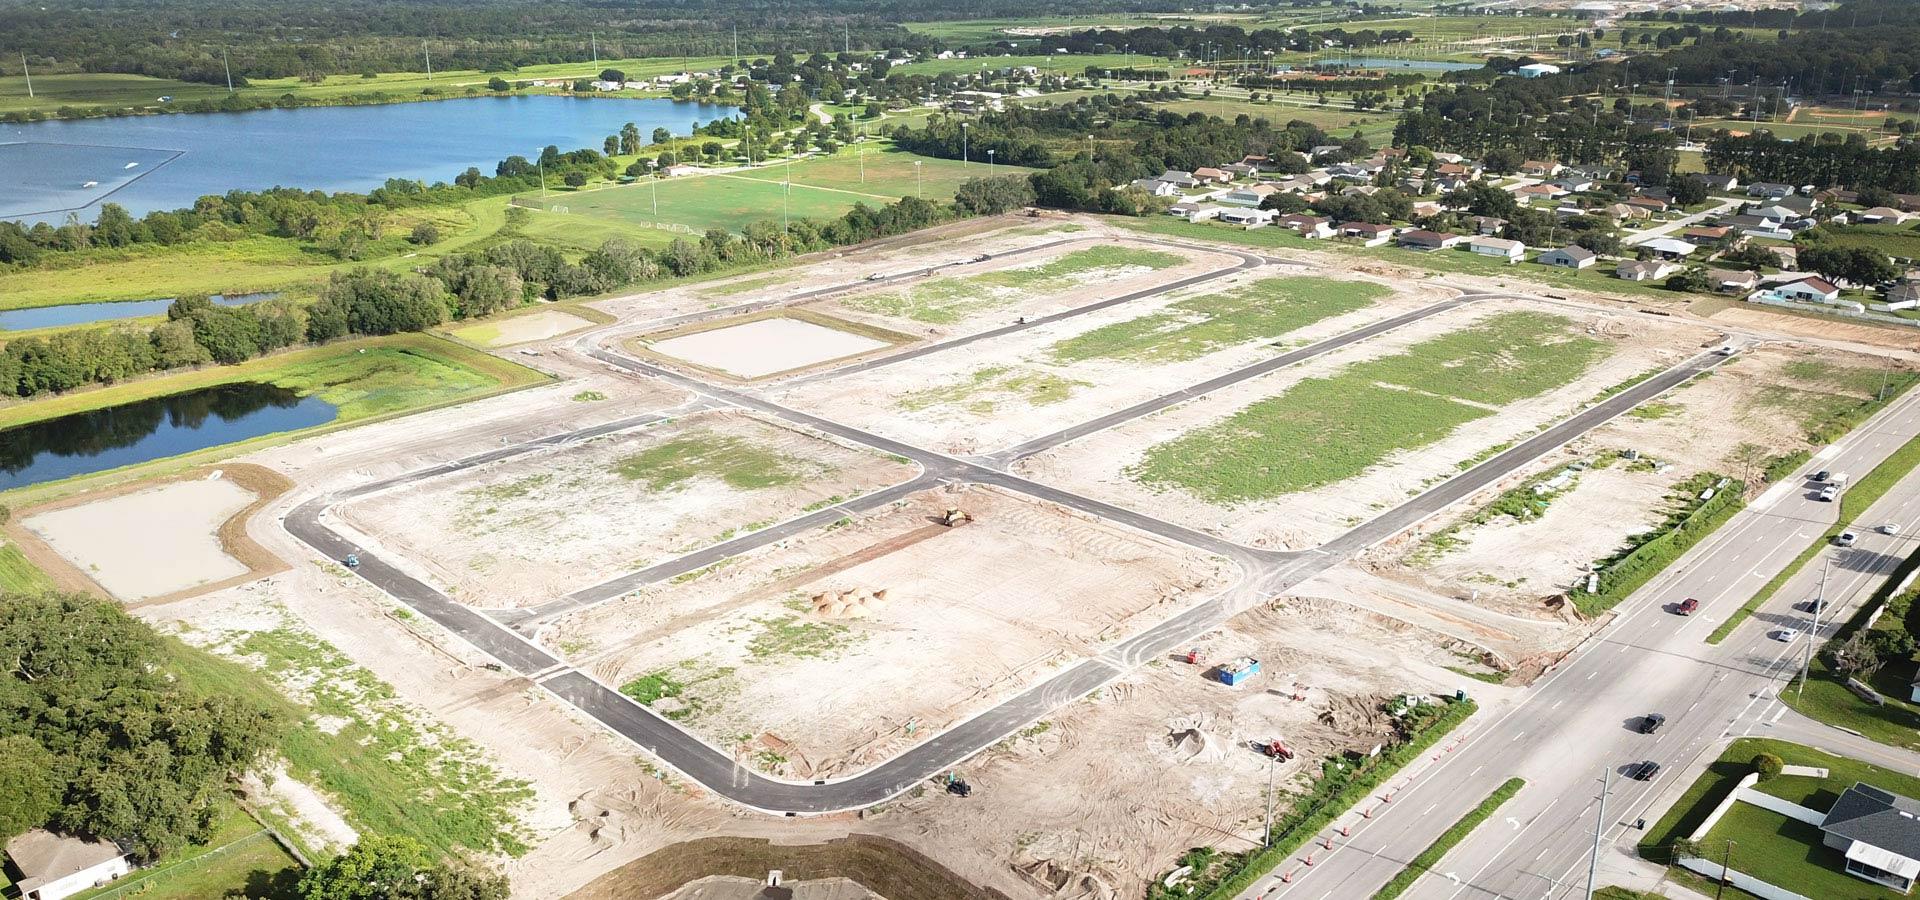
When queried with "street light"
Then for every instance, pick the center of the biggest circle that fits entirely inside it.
(653, 184)
(916, 179)
(989, 163)
(963, 144)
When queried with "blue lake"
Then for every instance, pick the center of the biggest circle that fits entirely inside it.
(102, 439)
(83, 313)
(48, 169)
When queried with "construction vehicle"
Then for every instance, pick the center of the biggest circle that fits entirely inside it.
(1234, 672)
(955, 517)
(1275, 749)
(1193, 656)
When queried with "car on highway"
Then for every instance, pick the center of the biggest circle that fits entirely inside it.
(1890, 528)
(1651, 723)
(1845, 538)
(1726, 350)
(1823, 476)
(1815, 605)
(1687, 607)
(1829, 493)
(1643, 770)
(1784, 634)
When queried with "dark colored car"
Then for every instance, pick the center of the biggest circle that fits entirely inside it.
(1822, 476)
(1687, 606)
(1643, 770)
(1651, 723)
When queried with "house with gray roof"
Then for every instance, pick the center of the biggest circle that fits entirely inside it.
(1879, 834)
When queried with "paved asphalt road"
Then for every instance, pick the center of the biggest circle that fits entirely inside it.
(1581, 719)
(1264, 573)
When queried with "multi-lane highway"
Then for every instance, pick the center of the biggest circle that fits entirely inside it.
(1580, 720)
(1264, 573)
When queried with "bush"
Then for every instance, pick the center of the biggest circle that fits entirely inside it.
(425, 233)
(1768, 765)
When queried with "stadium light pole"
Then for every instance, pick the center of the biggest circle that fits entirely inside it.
(989, 163)
(963, 144)
(224, 64)
(916, 180)
(543, 178)
(653, 184)
(25, 71)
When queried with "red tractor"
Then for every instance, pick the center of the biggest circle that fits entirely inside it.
(1275, 749)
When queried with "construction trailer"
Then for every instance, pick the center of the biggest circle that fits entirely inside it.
(1235, 671)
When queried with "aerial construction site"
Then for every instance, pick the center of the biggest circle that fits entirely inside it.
(1029, 548)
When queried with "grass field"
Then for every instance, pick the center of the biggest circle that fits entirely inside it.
(135, 91)
(1058, 64)
(944, 301)
(1325, 430)
(738, 463)
(883, 172)
(1900, 241)
(1778, 851)
(239, 858)
(17, 574)
(1194, 327)
(969, 31)
(392, 773)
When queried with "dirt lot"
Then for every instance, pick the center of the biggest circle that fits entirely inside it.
(528, 529)
(942, 622)
(1106, 794)
(1101, 465)
(1003, 392)
(1755, 407)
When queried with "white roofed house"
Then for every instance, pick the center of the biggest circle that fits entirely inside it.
(49, 866)
(1670, 248)
(1572, 256)
(1809, 288)
(1155, 187)
(1178, 178)
(1249, 195)
(1247, 218)
(1511, 251)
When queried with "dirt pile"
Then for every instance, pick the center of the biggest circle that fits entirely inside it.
(853, 603)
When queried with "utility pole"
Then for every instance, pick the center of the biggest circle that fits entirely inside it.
(223, 64)
(1599, 826)
(916, 179)
(1726, 864)
(1806, 653)
(593, 40)
(963, 144)
(28, 73)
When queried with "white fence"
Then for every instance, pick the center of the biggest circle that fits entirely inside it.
(1771, 803)
(1726, 803)
(1879, 318)
(1740, 880)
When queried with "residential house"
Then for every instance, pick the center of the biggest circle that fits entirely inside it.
(1247, 218)
(1511, 251)
(1706, 234)
(1414, 185)
(1907, 202)
(1298, 184)
(1670, 248)
(1574, 184)
(1449, 183)
(1444, 157)
(1801, 206)
(1594, 173)
(1535, 168)
(1258, 162)
(679, 169)
(1733, 281)
(1212, 175)
(52, 867)
(1241, 170)
(1155, 187)
(1308, 226)
(1776, 214)
(1534, 192)
(1367, 233)
(1769, 190)
(1880, 215)
(1716, 182)
(1756, 226)
(1323, 150)
(1810, 288)
(1424, 208)
(1179, 179)
(1463, 170)
(1572, 256)
(1421, 239)
(1648, 270)
(1194, 212)
(1650, 204)
(1837, 195)
(1249, 195)
(1350, 172)
(1878, 833)
(1787, 254)
(1487, 224)
(1620, 212)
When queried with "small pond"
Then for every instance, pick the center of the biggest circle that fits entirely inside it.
(86, 313)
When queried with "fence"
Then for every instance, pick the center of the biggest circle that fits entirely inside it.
(1879, 318)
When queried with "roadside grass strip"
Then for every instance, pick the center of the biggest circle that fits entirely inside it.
(1325, 430)
(1344, 781)
(1430, 857)
(1853, 504)
(1826, 697)
(1650, 553)
(1197, 326)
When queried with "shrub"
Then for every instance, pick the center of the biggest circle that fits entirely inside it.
(1768, 765)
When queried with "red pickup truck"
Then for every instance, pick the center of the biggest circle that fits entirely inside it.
(1687, 606)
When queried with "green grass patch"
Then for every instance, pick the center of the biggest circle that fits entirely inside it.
(742, 286)
(1787, 853)
(392, 770)
(986, 388)
(1689, 522)
(1325, 430)
(588, 397)
(681, 692)
(1194, 327)
(238, 858)
(791, 637)
(943, 301)
(1430, 857)
(1901, 241)
(1853, 505)
(736, 461)
(18, 575)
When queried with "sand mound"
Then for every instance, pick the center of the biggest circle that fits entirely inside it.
(1191, 742)
(856, 603)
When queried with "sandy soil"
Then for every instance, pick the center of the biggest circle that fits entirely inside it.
(526, 530)
(152, 542)
(310, 814)
(540, 326)
(1749, 316)
(725, 887)
(1107, 793)
(923, 403)
(766, 346)
(970, 615)
(1096, 465)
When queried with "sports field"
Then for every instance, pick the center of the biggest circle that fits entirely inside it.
(822, 188)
